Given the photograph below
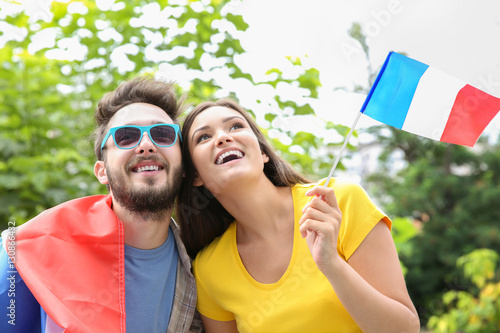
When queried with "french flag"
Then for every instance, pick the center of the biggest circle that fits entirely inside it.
(422, 100)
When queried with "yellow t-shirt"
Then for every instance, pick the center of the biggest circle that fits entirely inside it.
(302, 300)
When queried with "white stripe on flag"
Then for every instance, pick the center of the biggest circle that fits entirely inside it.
(52, 327)
(432, 103)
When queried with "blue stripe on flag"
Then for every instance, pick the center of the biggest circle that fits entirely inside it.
(17, 303)
(390, 96)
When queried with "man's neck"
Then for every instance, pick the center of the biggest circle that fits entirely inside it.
(143, 231)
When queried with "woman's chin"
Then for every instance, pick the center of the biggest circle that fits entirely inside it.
(232, 181)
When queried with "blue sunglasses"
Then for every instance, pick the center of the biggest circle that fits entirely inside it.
(129, 136)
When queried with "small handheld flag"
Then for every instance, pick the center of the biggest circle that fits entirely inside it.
(422, 100)
(425, 101)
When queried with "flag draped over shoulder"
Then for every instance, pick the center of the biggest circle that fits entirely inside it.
(422, 100)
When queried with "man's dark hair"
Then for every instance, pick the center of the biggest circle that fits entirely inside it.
(144, 89)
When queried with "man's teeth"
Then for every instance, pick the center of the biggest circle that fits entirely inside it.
(221, 158)
(148, 168)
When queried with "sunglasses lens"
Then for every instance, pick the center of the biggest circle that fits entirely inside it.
(163, 135)
(126, 137)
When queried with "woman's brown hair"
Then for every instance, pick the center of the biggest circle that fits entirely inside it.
(201, 217)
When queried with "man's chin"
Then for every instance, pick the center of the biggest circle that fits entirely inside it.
(148, 181)
(145, 199)
(147, 184)
(145, 194)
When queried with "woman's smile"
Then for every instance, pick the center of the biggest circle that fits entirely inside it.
(229, 155)
(222, 137)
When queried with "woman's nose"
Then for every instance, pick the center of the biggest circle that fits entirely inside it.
(223, 138)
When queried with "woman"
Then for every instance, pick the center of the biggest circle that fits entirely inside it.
(275, 253)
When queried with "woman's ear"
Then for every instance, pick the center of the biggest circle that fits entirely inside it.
(265, 158)
(197, 180)
(100, 172)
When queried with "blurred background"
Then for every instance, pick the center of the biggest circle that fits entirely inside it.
(303, 69)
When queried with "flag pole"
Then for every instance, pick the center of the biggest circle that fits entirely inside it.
(337, 159)
(365, 104)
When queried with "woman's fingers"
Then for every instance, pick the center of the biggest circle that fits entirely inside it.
(326, 193)
(321, 214)
(320, 227)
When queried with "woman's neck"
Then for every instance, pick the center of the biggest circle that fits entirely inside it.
(260, 208)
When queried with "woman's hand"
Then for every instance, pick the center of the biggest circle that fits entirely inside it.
(370, 284)
(320, 224)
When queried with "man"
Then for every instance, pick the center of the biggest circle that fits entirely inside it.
(110, 263)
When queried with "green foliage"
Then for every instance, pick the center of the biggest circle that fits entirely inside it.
(478, 309)
(451, 193)
(306, 151)
(40, 132)
(452, 190)
(48, 93)
(403, 230)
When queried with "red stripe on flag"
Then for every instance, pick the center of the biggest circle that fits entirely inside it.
(471, 113)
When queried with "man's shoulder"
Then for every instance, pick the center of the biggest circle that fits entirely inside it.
(82, 203)
(75, 206)
(71, 217)
(181, 249)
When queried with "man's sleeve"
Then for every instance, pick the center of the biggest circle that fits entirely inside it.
(197, 324)
(19, 310)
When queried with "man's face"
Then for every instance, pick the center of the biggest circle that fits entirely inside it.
(144, 179)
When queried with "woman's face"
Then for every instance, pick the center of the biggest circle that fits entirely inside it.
(224, 149)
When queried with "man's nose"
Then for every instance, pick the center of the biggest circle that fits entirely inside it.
(146, 145)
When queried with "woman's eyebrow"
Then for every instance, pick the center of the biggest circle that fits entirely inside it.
(202, 128)
(199, 129)
(225, 120)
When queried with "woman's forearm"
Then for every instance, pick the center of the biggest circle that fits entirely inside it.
(370, 309)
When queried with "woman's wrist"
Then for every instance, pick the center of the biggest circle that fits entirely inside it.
(333, 266)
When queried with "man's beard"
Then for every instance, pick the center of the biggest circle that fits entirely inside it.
(147, 201)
